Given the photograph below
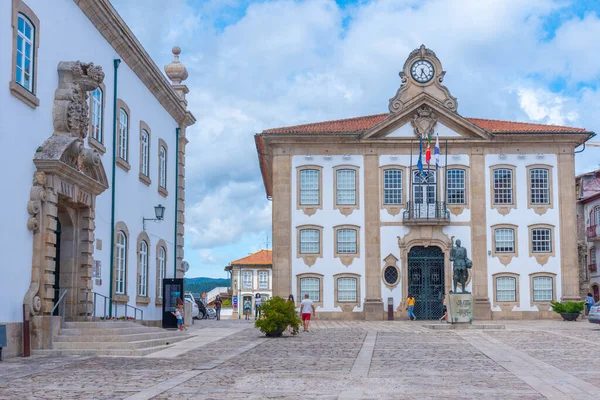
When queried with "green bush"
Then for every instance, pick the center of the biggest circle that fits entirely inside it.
(570, 307)
(226, 303)
(276, 315)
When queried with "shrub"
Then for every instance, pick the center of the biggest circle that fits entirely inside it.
(226, 303)
(276, 315)
(570, 307)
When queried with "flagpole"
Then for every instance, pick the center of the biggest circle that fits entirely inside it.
(409, 201)
(446, 176)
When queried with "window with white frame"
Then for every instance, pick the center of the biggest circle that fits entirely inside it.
(25, 52)
(595, 216)
(542, 288)
(312, 287)
(504, 239)
(96, 100)
(309, 187)
(247, 280)
(310, 242)
(541, 240)
(506, 288)
(539, 186)
(145, 153)
(121, 263)
(392, 186)
(123, 134)
(163, 167)
(263, 280)
(503, 186)
(346, 187)
(593, 255)
(346, 241)
(347, 290)
(456, 192)
(162, 259)
(143, 282)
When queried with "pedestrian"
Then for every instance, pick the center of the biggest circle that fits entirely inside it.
(410, 303)
(291, 299)
(589, 302)
(306, 308)
(445, 309)
(247, 308)
(177, 314)
(257, 305)
(218, 304)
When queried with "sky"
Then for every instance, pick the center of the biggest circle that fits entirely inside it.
(255, 65)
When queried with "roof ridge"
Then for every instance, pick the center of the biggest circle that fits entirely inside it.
(518, 122)
(327, 121)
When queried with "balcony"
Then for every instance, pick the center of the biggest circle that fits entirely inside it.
(434, 213)
(593, 267)
(593, 232)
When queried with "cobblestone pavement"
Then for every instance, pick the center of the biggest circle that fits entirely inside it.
(336, 360)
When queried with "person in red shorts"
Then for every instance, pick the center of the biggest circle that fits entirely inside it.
(306, 308)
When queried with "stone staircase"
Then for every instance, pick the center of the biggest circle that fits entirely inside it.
(111, 338)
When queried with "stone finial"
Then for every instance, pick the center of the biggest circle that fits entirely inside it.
(176, 71)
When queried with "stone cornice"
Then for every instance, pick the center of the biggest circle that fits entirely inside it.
(108, 22)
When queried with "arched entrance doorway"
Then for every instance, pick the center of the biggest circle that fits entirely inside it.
(596, 292)
(426, 280)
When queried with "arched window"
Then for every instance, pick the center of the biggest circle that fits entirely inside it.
(347, 290)
(123, 134)
(506, 288)
(392, 186)
(345, 187)
(593, 257)
(310, 242)
(162, 261)
(346, 241)
(120, 287)
(163, 167)
(312, 287)
(543, 288)
(145, 153)
(143, 279)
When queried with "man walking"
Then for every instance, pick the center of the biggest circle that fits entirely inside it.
(218, 304)
(306, 308)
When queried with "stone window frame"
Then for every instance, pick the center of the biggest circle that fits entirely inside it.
(592, 257)
(505, 258)
(543, 304)
(143, 177)
(393, 209)
(122, 163)
(413, 184)
(541, 258)
(509, 304)
(503, 209)
(541, 209)
(160, 244)
(391, 261)
(458, 209)
(251, 273)
(346, 258)
(268, 279)
(162, 190)
(347, 209)
(346, 305)
(98, 145)
(20, 92)
(309, 258)
(139, 298)
(299, 277)
(309, 209)
(121, 297)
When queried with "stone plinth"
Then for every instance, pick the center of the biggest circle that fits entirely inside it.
(460, 308)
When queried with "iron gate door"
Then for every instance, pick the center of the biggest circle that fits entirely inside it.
(426, 281)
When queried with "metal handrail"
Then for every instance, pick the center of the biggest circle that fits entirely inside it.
(420, 211)
(62, 323)
(113, 303)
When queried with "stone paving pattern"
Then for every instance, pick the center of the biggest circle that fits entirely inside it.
(336, 360)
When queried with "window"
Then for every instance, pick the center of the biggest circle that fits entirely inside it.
(247, 280)
(162, 263)
(121, 263)
(391, 275)
(312, 287)
(347, 290)
(96, 110)
(346, 187)
(346, 241)
(263, 280)
(309, 187)
(503, 186)
(145, 153)
(456, 181)
(593, 255)
(424, 187)
(310, 241)
(123, 134)
(542, 288)
(143, 279)
(163, 167)
(595, 216)
(25, 46)
(504, 240)
(392, 186)
(25, 39)
(541, 240)
(539, 186)
(506, 288)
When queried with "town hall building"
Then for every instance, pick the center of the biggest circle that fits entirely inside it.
(361, 219)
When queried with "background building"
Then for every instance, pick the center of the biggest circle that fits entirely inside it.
(249, 276)
(358, 226)
(83, 96)
(588, 219)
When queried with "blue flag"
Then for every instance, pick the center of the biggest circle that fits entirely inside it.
(420, 162)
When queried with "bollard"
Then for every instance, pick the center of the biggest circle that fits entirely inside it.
(390, 308)
(26, 338)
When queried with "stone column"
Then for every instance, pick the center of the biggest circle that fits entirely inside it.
(373, 306)
(86, 260)
(180, 201)
(479, 272)
(282, 225)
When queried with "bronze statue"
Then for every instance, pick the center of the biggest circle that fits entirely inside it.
(458, 256)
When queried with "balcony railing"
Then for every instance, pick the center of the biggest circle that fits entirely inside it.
(426, 213)
(593, 267)
(593, 232)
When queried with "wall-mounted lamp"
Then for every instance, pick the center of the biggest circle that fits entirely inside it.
(540, 155)
(522, 156)
(159, 212)
(502, 155)
(327, 157)
(308, 157)
(394, 157)
(455, 155)
(347, 156)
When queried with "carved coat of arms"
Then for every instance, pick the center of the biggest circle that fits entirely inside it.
(423, 121)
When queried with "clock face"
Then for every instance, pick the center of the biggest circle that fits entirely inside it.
(422, 71)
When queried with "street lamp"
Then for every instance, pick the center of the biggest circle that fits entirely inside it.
(159, 212)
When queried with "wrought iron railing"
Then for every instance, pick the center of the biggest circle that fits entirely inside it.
(426, 211)
(61, 300)
(111, 303)
(593, 267)
(593, 232)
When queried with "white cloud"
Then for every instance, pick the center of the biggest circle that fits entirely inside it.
(546, 107)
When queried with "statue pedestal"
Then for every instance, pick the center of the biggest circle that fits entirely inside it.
(460, 308)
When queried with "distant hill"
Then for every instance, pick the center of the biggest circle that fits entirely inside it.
(200, 285)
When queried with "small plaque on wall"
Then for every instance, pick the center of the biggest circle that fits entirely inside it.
(97, 272)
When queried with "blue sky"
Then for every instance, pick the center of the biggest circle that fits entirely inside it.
(254, 65)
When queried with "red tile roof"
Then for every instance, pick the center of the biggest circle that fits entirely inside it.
(263, 257)
(496, 126)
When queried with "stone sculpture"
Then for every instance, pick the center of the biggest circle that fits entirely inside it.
(460, 262)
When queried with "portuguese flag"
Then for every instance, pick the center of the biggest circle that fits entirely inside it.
(428, 151)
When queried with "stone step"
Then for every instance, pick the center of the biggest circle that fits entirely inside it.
(106, 331)
(121, 345)
(102, 337)
(102, 324)
(100, 352)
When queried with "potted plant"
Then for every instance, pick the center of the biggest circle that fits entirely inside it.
(276, 315)
(569, 311)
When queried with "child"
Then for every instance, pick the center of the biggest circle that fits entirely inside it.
(177, 315)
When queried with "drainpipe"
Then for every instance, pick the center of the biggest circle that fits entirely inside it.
(116, 63)
(176, 197)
